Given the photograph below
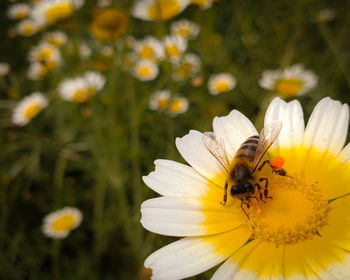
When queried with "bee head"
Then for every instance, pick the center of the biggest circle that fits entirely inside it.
(242, 188)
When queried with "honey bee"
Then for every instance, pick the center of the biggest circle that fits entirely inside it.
(242, 179)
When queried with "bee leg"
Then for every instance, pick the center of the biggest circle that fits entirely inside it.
(260, 192)
(223, 202)
(266, 187)
(262, 165)
(243, 208)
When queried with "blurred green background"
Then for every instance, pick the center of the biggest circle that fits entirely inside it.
(92, 156)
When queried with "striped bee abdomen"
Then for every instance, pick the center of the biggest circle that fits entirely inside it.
(248, 148)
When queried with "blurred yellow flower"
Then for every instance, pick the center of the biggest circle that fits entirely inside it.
(291, 81)
(109, 24)
(158, 9)
(61, 222)
(28, 108)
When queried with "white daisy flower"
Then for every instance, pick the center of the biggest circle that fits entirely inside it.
(18, 11)
(185, 29)
(299, 232)
(291, 81)
(95, 80)
(188, 67)
(178, 105)
(158, 9)
(203, 4)
(222, 82)
(81, 89)
(46, 54)
(27, 27)
(56, 38)
(37, 71)
(159, 101)
(4, 69)
(104, 3)
(28, 108)
(174, 46)
(145, 70)
(60, 223)
(149, 48)
(325, 15)
(50, 11)
(84, 50)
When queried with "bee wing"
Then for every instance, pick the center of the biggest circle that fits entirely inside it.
(267, 136)
(216, 147)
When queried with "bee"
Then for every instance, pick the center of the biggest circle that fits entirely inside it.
(242, 172)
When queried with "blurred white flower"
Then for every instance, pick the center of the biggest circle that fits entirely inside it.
(185, 29)
(174, 46)
(159, 101)
(60, 223)
(187, 67)
(221, 83)
(291, 81)
(28, 108)
(158, 9)
(149, 48)
(145, 70)
(4, 69)
(18, 11)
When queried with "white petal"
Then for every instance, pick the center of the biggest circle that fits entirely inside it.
(291, 115)
(226, 271)
(345, 154)
(176, 216)
(234, 129)
(190, 256)
(175, 179)
(327, 127)
(193, 150)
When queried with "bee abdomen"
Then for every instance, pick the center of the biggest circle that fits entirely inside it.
(248, 148)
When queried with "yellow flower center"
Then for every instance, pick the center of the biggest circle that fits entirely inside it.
(31, 111)
(58, 11)
(184, 70)
(146, 52)
(64, 223)
(295, 213)
(28, 29)
(183, 32)
(162, 103)
(164, 9)
(289, 87)
(176, 106)
(84, 95)
(21, 14)
(172, 50)
(222, 86)
(144, 72)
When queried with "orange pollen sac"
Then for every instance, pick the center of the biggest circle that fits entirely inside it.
(276, 163)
